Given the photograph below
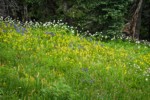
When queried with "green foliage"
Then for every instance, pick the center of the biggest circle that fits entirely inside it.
(89, 16)
(96, 16)
(48, 61)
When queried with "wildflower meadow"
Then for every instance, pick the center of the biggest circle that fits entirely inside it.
(52, 61)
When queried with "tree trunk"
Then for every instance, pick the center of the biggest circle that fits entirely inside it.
(133, 26)
(25, 14)
(2, 8)
(136, 21)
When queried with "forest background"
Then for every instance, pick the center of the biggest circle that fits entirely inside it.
(103, 17)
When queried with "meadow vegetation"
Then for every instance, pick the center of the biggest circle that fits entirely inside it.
(52, 61)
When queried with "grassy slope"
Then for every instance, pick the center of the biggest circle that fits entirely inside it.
(62, 66)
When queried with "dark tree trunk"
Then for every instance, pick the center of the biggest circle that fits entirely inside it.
(2, 8)
(136, 21)
(25, 13)
(133, 26)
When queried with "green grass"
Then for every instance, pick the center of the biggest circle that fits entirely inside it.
(63, 66)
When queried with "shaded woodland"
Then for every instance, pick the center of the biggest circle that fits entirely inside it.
(105, 17)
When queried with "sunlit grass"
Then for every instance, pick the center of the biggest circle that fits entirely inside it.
(48, 61)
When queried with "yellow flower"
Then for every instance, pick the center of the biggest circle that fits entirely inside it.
(108, 67)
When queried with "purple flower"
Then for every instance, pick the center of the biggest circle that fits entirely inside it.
(23, 30)
(50, 33)
(16, 28)
(85, 69)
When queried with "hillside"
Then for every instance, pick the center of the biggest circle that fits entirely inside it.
(49, 62)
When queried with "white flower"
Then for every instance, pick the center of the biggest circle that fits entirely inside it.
(137, 42)
(138, 47)
(146, 79)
